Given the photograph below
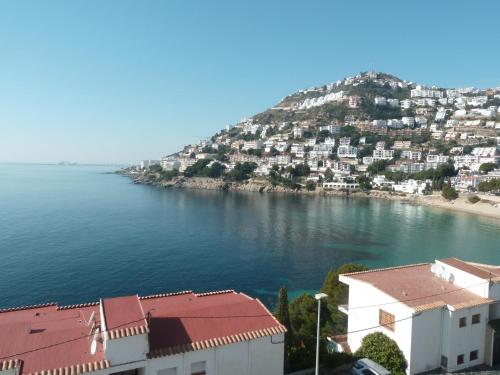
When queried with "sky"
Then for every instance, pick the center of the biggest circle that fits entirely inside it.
(94, 81)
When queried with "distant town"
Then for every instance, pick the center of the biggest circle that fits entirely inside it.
(370, 131)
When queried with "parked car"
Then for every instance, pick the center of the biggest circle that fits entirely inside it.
(366, 366)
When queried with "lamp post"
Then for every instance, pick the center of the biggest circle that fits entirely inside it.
(318, 297)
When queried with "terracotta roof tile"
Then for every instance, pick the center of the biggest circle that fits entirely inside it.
(417, 287)
(480, 270)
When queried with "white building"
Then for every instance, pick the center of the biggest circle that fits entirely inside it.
(347, 152)
(383, 154)
(442, 315)
(252, 145)
(219, 333)
(411, 186)
(421, 92)
(350, 186)
(432, 158)
(411, 155)
(145, 164)
(170, 164)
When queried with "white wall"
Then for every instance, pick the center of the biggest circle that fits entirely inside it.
(463, 279)
(364, 294)
(495, 307)
(463, 340)
(262, 356)
(127, 349)
(426, 341)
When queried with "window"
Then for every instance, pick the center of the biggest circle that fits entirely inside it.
(460, 359)
(385, 319)
(368, 372)
(462, 322)
(473, 355)
(198, 368)
(476, 318)
(444, 362)
(168, 371)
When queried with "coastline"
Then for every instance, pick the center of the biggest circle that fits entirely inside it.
(489, 206)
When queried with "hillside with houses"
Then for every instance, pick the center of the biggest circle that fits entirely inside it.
(372, 131)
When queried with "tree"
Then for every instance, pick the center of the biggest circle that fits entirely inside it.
(242, 171)
(449, 193)
(337, 294)
(215, 170)
(283, 316)
(310, 185)
(300, 170)
(364, 182)
(197, 168)
(382, 349)
(377, 166)
(303, 315)
(328, 174)
(487, 167)
(491, 185)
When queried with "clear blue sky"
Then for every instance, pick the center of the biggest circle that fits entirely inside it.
(119, 81)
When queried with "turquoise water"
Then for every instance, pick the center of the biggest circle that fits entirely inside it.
(75, 234)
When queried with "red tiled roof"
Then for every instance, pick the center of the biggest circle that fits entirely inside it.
(124, 317)
(24, 331)
(48, 338)
(197, 321)
(417, 287)
(483, 271)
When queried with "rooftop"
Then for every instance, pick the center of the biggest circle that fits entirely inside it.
(49, 337)
(417, 287)
(484, 271)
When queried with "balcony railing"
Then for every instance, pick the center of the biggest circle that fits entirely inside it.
(344, 309)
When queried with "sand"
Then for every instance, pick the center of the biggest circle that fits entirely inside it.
(488, 206)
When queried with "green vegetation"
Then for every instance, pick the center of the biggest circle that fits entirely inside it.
(310, 185)
(337, 295)
(449, 193)
(364, 183)
(377, 166)
(491, 185)
(283, 315)
(487, 167)
(301, 320)
(383, 350)
(473, 199)
(163, 174)
(242, 171)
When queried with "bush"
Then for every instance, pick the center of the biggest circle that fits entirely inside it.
(385, 351)
(487, 167)
(474, 199)
(491, 185)
(310, 185)
(449, 193)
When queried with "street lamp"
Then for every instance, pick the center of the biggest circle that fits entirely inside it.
(318, 297)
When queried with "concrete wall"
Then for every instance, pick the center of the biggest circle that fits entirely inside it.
(456, 340)
(495, 307)
(426, 341)
(263, 356)
(127, 349)
(465, 280)
(364, 294)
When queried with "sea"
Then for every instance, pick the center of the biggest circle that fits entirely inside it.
(74, 234)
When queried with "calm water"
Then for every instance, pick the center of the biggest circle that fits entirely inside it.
(74, 234)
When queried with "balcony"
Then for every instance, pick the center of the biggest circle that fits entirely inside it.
(344, 309)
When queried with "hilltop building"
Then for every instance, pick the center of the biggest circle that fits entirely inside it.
(223, 333)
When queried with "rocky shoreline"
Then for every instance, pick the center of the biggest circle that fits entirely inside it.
(486, 207)
(256, 186)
